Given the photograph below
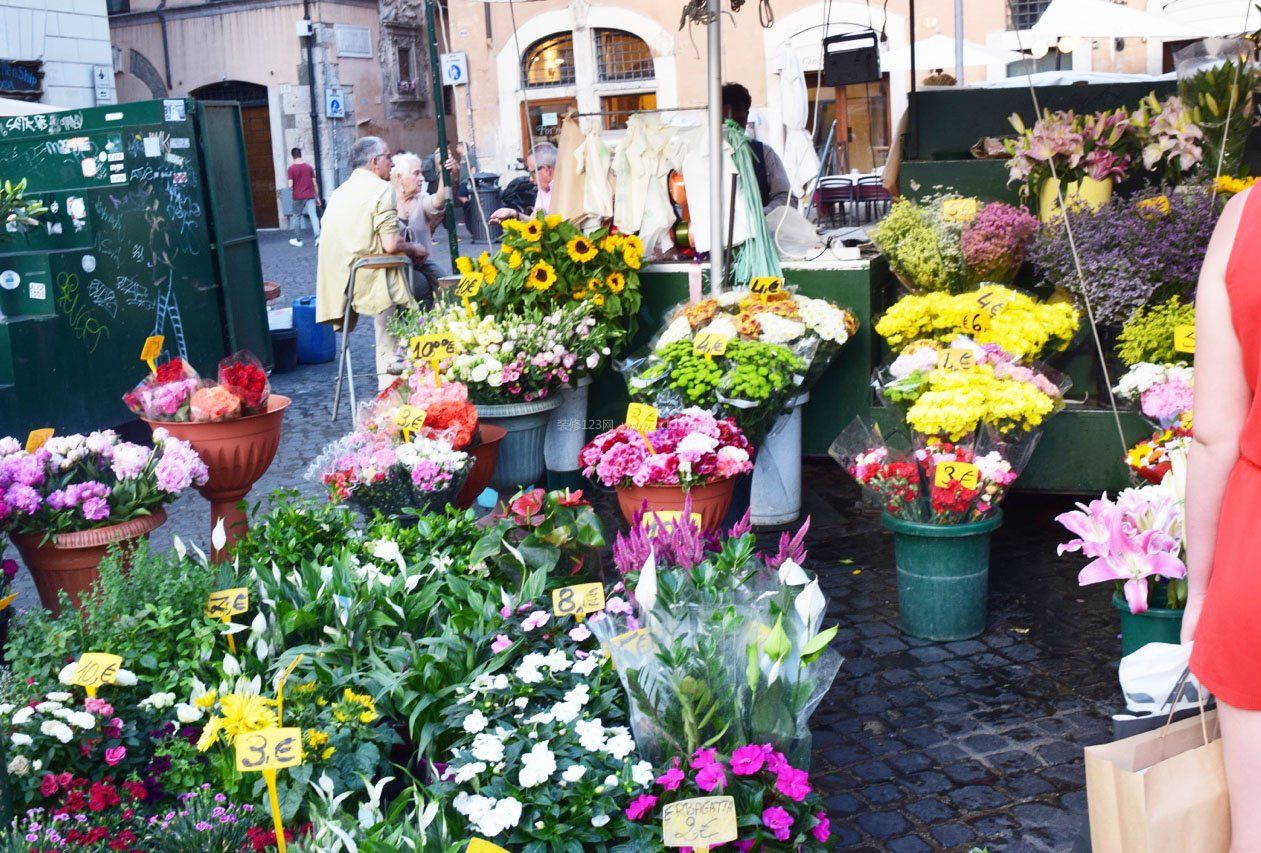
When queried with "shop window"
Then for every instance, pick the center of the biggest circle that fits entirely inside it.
(1023, 14)
(617, 109)
(622, 56)
(401, 56)
(550, 62)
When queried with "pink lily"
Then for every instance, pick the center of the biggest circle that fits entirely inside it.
(1134, 560)
(1091, 524)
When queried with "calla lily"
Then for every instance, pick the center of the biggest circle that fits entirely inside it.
(178, 545)
(646, 589)
(810, 605)
(792, 574)
(777, 647)
(218, 536)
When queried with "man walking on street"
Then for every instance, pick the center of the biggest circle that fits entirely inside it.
(306, 197)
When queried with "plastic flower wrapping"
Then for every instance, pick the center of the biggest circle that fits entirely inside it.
(166, 394)
(932, 480)
(691, 448)
(1164, 392)
(243, 375)
(77, 482)
(175, 392)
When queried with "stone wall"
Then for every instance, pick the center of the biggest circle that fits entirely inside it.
(71, 38)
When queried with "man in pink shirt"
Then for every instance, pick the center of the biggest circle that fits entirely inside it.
(306, 197)
(541, 164)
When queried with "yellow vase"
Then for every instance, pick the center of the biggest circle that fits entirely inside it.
(1087, 191)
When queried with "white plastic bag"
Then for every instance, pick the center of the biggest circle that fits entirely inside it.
(1150, 675)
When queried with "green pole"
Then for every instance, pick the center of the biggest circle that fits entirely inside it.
(440, 117)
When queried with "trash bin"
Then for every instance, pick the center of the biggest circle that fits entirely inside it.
(316, 342)
(486, 186)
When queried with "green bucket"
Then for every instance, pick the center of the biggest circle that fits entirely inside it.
(943, 574)
(1155, 625)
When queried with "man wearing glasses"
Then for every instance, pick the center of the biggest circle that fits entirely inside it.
(541, 164)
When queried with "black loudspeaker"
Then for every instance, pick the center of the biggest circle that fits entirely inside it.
(851, 58)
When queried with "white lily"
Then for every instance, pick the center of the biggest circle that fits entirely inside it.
(792, 574)
(178, 545)
(810, 605)
(219, 536)
(646, 589)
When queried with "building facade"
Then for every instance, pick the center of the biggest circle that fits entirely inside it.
(56, 53)
(321, 71)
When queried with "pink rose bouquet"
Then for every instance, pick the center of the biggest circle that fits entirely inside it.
(166, 394)
(689, 449)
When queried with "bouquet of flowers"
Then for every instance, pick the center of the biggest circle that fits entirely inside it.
(1216, 82)
(923, 249)
(447, 412)
(1152, 459)
(167, 393)
(996, 242)
(174, 392)
(1150, 334)
(243, 375)
(692, 448)
(77, 482)
(1099, 146)
(1164, 392)
(1172, 143)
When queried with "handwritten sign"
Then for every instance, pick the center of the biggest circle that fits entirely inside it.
(479, 845)
(636, 642)
(709, 344)
(975, 322)
(37, 437)
(955, 358)
(959, 209)
(657, 519)
(95, 669)
(226, 603)
(409, 419)
(1184, 339)
(578, 600)
(151, 350)
(964, 473)
(699, 822)
(431, 347)
(766, 285)
(268, 749)
(470, 285)
(642, 417)
(991, 300)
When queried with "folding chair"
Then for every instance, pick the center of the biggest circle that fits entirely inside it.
(344, 366)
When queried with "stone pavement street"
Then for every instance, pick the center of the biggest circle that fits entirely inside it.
(919, 746)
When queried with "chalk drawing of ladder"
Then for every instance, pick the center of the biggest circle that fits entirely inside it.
(169, 307)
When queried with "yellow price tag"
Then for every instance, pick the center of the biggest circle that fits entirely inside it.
(975, 322)
(1183, 339)
(991, 299)
(642, 417)
(432, 347)
(151, 350)
(959, 209)
(409, 419)
(280, 687)
(479, 845)
(636, 642)
(226, 603)
(37, 437)
(268, 749)
(709, 344)
(95, 669)
(658, 519)
(766, 285)
(470, 285)
(578, 600)
(964, 473)
(699, 822)
(7, 600)
(955, 358)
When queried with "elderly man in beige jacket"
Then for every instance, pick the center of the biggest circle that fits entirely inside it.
(361, 219)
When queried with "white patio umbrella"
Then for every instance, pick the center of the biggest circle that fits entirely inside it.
(939, 52)
(800, 160)
(14, 107)
(1101, 19)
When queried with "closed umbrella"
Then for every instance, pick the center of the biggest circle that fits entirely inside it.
(800, 160)
(939, 52)
(1101, 19)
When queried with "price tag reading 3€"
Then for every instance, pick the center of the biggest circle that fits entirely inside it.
(964, 473)
(268, 749)
(409, 419)
(1184, 339)
(578, 600)
(226, 603)
(699, 822)
(642, 417)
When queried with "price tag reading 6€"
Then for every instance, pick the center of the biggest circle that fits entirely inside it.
(975, 322)
(96, 668)
(699, 822)
(965, 473)
(268, 749)
(641, 417)
(578, 600)
(226, 603)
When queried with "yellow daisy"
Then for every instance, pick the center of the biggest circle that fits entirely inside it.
(616, 282)
(581, 249)
(542, 276)
(532, 230)
(244, 713)
(631, 257)
(464, 265)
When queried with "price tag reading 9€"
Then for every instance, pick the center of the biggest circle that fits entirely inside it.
(269, 749)
(641, 417)
(1184, 339)
(578, 600)
(975, 322)
(964, 473)
(955, 358)
(709, 344)
(699, 822)
(226, 603)
(96, 668)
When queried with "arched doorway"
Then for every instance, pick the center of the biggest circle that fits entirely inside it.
(256, 127)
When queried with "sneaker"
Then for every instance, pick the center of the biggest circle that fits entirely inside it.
(317, 241)
(294, 241)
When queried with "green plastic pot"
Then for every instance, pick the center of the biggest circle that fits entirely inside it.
(1154, 625)
(943, 576)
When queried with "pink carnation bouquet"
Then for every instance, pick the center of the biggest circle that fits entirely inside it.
(692, 448)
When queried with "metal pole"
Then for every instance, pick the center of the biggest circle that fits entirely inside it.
(716, 170)
(912, 23)
(315, 112)
(439, 104)
(958, 42)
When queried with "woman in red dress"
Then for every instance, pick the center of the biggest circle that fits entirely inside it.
(1223, 504)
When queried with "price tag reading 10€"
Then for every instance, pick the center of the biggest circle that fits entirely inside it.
(431, 347)
(226, 603)
(964, 473)
(699, 822)
(470, 285)
(578, 600)
(269, 749)
(96, 668)
(641, 417)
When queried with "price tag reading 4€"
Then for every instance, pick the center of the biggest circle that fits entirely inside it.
(699, 822)
(709, 344)
(1184, 339)
(268, 749)
(964, 473)
(641, 417)
(226, 603)
(96, 668)
(955, 358)
(766, 285)
(578, 600)
(991, 299)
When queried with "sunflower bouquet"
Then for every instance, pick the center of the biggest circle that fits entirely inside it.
(546, 262)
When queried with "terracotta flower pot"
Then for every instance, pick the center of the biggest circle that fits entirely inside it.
(237, 453)
(485, 456)
(711, 501)
(71, 561)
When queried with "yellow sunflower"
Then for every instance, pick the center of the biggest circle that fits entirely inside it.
(542, 276)
(594, 284)
(553, 219)
(483, 259)
(616, 282)
(464, 265)
(489, 273)
(633, 242)
(580, 294)
(514, 259)
(631, 257)
(532, 230)
(597, 298)
(581, 249)
(1153, 207)
(512, 225)
(611, 243)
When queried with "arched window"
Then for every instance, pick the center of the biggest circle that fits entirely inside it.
(622, 56)
(550, 62)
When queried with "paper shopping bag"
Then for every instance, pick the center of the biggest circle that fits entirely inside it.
(1162, 791)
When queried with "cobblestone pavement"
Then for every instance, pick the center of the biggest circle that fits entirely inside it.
(919, 746)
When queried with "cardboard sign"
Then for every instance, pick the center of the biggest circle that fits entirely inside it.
(409, 419)
(959, 209)
(268, 749)
(431, 347)
(975, 322)
(657, 519)
(96, 668)
(470, 285)
(1184, 339)
(991, 300)
(962, 472)
(956, 358)
(226, 603)
(699, 822)
(642, 417)
(709, 344)
(766, 285)
(151, 350)
(37, 437)
(578, 600)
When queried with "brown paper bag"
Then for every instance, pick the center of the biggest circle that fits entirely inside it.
(1162, 791)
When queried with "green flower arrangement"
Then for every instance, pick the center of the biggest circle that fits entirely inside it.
(1149, 334)
(922, 248)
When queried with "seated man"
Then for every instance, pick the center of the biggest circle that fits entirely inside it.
(361, 219)
(541, 164)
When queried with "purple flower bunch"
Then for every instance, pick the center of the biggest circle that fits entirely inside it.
(1167, 401)
(996, 242)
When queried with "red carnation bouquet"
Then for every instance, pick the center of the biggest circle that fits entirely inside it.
(243, 374)
(174, 392)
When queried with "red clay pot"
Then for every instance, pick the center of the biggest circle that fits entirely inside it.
(711, 501)
(486, 456)
(71, 561)
(237, 453)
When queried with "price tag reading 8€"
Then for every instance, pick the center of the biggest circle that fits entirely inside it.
(1184, 339)
(955, 358)
(226, 603)
(975, 322)
(95, 669)
(699, 822)
(268, 749)
(709, 344)
(642, 417)
(578, 600)
(964, 473)
(409, 419)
